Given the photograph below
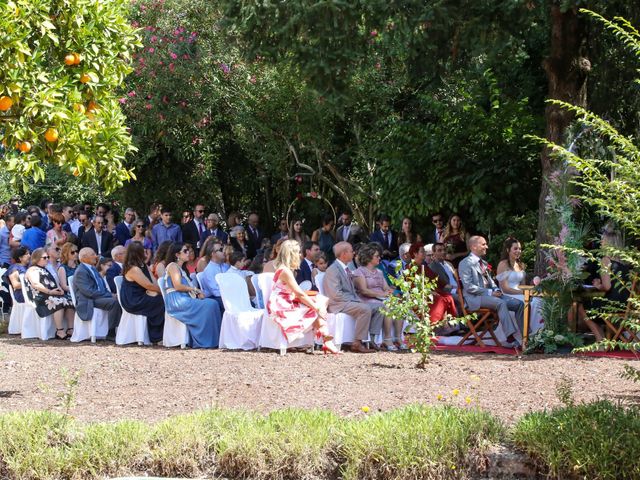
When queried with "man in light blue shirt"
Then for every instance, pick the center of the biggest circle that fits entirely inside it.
(165, 230)
(208, 282)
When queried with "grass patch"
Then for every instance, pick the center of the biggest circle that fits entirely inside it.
(417, 442)
(598, 440)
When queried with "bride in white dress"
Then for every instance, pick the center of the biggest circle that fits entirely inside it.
(511, 274)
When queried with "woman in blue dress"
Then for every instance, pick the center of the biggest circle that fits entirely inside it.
(139, 294)
(187, 304)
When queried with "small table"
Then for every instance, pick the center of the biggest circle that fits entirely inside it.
(528, 292)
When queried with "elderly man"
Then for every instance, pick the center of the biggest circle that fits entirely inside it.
(117, 254)
(91, 292)
(213, 229)
(480, 291)
(338, 286)
(98, 239)
(254, 235)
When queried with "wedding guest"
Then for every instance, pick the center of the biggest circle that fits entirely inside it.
(138, 234)
(325, 237)
(455, 237)
(205, 253)
(349, 231)
(157, 265)
(165, 230)
(117, 254)
(437, 234)
(97, 238)
(253, 235)
(125, 229)
(290, 307)
(233, 220)
(296, 232)
(320, 267)
(216, 265)
(282, 233)
(406, 234)
(213, 229)
(140, 295)
(193, 230)
(238, 239)
(68, 264)
(270, 265)
(34, 237)
(187, 303)
(185, 217)
(49, 298)
(21, 258)
(311, 254)
(19, 226)
(387, 238)
(192, 263)
(373, 289)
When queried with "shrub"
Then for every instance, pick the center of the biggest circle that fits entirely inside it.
(598, 440)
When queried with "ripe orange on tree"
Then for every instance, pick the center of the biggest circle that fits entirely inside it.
(69, 59)
(51, 135)
(5, 103)
(76, 58)
(85, 78)
(24, 147)
(92, 106)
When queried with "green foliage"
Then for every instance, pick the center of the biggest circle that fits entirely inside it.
(78, 101)
(631, 373)
(583, 441)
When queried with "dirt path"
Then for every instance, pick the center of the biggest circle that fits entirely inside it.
(153, 383)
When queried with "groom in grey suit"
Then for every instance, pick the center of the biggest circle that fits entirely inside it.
(91, 291)
(480, 291)
(338, 286)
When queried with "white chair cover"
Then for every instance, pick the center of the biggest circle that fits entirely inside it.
(175, 332)
(17, 313)
(241, 322)
(194, 279)
(3, 289)
(132, 328)
(34, 326)
(341, 325)
(260, 301)
(97, 327)
(306, 285)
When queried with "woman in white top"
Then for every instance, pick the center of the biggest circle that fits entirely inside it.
(511, 274)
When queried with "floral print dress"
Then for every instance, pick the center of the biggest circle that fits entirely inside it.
(47, 304)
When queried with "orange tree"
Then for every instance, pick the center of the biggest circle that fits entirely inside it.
(62, 61)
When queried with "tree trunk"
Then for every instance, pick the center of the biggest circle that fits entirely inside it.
(567, 70)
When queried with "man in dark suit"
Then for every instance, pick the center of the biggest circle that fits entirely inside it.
(283, 231)
(91, 292)
(192, 230)
(213, 229)
(387, 238)
(117, 254)
(123, 229)
(349, 231)
(446, 272)
(311, 253)
(97, 239)
(254, 235)
(437, 235)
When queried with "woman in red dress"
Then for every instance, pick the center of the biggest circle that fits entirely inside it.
(443, 303)
(291, 307)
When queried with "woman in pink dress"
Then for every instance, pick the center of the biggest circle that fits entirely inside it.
(291, 307)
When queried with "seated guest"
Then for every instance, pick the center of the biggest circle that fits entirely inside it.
(49, 298)
(124, 229)
(34, 237)
(447, 275)
(97, 238)
(407, 234)
(140, 295)
(166, 230)
(443, 303)
(511, 274)
(158, 265)
(387, 238)
(56, 234)
(104, 264)
(373, 289)
(290, 307)
(282, 233)
(213, 230)
(296, 232)
(311, 253)
(455, 237)
(480, 291)
(320, 267)
(92, 292)
(138, 234)
(338, 286)
(21, 258)
(115, 270)
(192, 263)
(68, 264)
(201, 315)
(428, 253)
(270, 266)
(238, 240)
(205, 253)
(349, 231)
(215, 266)
(325, 236)
(239, 263)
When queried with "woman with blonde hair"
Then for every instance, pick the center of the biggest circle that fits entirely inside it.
(291, 307)
(270, 266)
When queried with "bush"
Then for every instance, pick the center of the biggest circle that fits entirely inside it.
(599, 440)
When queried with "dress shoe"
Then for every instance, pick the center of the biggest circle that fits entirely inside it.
(373, 346)
(358, 347)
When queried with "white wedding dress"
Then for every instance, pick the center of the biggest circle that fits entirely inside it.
(513, 280)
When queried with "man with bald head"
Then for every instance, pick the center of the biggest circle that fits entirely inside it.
(338, 286)
(117, 254)
(480, 291)
(91, 292)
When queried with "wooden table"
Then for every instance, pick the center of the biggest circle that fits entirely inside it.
(527, 291)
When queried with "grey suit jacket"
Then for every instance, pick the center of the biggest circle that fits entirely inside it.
(472, 280)
(338, 287)
(356, 234)
(86, 291)
(439, 270)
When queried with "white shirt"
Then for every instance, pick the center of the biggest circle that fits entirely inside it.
(74, 225)
(345, 232)
(99, 240)
(17, 231)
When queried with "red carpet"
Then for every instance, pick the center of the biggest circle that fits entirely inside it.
(614, 354)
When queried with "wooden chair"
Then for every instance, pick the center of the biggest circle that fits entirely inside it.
(485, 322)
(617, 330)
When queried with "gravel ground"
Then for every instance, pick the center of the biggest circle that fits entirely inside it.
(152, 383)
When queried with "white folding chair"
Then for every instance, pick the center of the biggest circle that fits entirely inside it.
(97, 327)
(17, 313)
(34, 326)
(341, 326)
(2, 289)
(241, 322)
(132, 328)
(260, 300)
(175, 332)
